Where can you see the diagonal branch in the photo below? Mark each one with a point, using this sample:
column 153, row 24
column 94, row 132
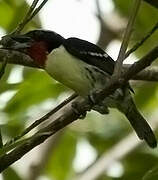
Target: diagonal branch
column 26, row 19
column 41, row 120
column 2, row 69
column 33, row 11
column 142, row 41
column 126, row 38
column 142, row 63
column 148, row 74
column 36, row 11
column 131, row 72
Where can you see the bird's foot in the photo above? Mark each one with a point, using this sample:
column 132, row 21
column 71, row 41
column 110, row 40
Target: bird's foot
column 101, row 108
column 76, row 110
column 92, row 98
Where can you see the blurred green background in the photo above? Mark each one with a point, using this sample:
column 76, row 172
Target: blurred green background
column 28, row 93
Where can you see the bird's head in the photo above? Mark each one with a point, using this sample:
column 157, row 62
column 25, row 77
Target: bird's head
column 37, row 44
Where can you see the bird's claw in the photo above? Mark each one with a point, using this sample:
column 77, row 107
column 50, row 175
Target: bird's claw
column 91, row 98
column 75, row 108
column 102, row 109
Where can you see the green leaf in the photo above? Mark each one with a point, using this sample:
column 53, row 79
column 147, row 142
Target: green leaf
column 144, row 96
column 11, row 174
column 36, row 88
column 137, row 163
column 60, row 163
column 12, row 13
column 151, row 174
column 5, row 20
column 146, row 19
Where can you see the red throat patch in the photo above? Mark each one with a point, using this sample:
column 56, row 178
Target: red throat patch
column 38, row 52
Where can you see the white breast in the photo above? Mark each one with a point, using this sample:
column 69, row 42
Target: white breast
column 68, row 70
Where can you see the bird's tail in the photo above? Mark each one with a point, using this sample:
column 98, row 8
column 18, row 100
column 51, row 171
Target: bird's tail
column 139, row 124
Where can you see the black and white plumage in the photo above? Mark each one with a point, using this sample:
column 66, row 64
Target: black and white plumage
column 90, row 53
column 83, row 67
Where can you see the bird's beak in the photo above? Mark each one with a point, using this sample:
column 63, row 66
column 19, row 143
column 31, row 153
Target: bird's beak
column 16, row 42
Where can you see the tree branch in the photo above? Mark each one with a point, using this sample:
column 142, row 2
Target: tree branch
column 142, row 63
column 59, row 123
column 105, row 30
column 2, row 69
column 41, row 120
column 148, row 74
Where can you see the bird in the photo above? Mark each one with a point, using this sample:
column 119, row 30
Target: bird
column 85, row 68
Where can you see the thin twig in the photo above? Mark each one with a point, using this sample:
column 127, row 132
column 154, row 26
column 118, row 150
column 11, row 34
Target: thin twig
column 141, row 42
column 2, row 70
column 148, row 74
column 36, row 11
column 42, row 119
column 142, row 64
column 1, row 140
column 31, row 13
column 4, row 63
column 26, row 18
column 105, row 30
column 127, row 35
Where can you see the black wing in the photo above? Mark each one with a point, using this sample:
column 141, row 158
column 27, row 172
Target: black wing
column 90, row 53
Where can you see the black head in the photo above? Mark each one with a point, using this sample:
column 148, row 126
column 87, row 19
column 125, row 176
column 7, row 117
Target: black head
column 37, row 44
column 51, row 38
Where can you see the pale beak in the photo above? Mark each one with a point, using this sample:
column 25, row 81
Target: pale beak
column 16, row 42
